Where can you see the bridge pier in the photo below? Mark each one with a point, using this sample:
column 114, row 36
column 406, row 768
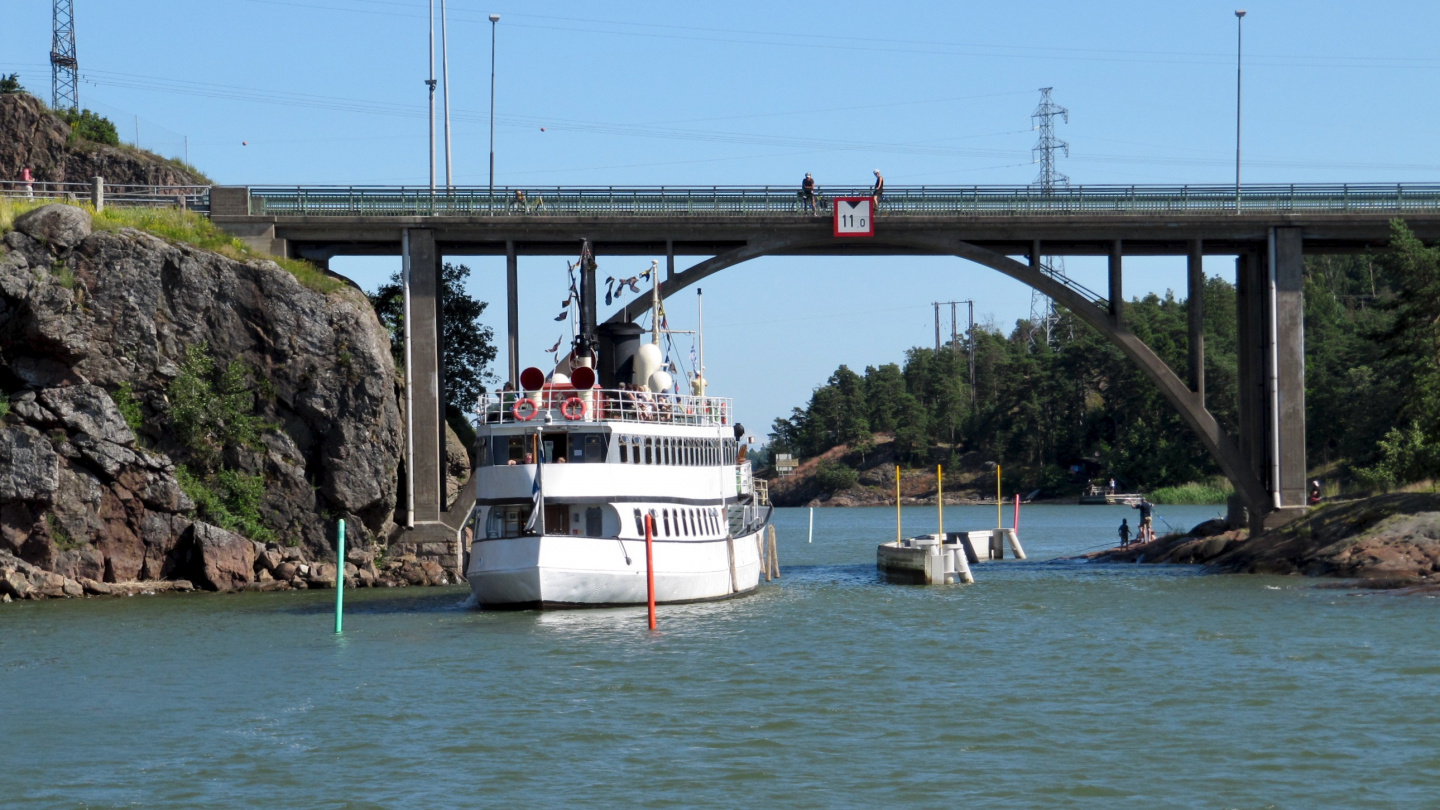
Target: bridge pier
column 1271, row 344
column 1195, row 311
column 1117, row 285
column 433, row 529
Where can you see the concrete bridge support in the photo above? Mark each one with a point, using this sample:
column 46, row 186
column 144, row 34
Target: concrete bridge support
column 1270, row 316
column 434, row 528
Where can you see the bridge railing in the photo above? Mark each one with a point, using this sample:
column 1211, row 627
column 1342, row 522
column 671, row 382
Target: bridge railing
column 898, row 201
column 195, row 198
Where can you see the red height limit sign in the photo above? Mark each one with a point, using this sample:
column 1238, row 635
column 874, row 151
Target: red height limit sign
column 854, row 216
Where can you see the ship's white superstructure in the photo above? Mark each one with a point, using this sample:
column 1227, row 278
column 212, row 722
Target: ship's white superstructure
column 561, row 503
column 567, row 473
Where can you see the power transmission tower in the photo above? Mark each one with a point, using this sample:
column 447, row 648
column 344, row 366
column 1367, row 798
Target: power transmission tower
column 1042, row 309
column 64, row 69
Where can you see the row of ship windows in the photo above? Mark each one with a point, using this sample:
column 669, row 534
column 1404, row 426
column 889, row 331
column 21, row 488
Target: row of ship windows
column 591, row 448
column 680, row 522
column 676, row 451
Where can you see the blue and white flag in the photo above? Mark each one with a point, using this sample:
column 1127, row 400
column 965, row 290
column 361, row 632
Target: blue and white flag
column 536, row 523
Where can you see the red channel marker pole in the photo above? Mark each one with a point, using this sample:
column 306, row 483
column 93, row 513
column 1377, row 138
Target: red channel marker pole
column 650, row 567
column 1017, row 514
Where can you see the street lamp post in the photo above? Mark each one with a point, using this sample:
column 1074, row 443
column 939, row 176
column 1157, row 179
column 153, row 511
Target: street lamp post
column 430, row 82
column 1239, row 17
column 490, row 200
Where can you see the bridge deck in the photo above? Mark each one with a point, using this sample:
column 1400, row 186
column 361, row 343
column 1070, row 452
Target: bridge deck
column 898, row 201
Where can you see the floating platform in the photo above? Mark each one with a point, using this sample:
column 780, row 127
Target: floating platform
column 1111, row 499
column 934, row 560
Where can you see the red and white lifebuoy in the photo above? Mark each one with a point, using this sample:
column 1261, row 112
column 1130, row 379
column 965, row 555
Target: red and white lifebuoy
column 573, row 408
column 524, row 409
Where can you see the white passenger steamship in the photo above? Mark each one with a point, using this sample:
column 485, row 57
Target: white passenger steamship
column 570, row 466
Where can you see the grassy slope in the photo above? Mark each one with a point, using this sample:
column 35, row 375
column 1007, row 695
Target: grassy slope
column 176, row 225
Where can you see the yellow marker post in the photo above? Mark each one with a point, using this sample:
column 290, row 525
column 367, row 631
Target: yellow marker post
column 940, row 497
column 897, row 504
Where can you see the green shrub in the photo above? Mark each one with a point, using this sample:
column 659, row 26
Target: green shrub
column 4, row 405
column 10, row 85
column 229, row 499
column 90, row 126
column 1195, row 492
column 62, row 539
column 214, row 408
column 832, row 476
column 128, row 406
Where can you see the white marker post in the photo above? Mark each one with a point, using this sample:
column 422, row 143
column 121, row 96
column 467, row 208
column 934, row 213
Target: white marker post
column 811, row 537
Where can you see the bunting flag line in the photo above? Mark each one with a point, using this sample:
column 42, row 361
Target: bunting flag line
column 563, row 315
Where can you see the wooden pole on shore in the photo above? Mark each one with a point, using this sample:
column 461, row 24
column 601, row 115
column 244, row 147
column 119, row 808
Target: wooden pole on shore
column 340, row 580
column 940, row 498
column 897, row 504
column 999, row 516
column 650, row 567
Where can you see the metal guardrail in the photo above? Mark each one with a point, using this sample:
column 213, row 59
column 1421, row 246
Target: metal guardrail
column 194, row 198
column 898, row 201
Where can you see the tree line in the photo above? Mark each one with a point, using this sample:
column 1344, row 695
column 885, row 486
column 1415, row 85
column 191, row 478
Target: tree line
column 1372, row 349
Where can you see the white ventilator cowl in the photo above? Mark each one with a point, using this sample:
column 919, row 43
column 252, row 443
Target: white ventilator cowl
column 648, row 360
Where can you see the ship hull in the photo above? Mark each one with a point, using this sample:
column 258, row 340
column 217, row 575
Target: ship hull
column 557, row 571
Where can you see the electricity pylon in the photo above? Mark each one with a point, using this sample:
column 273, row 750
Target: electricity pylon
column 64, row 68
column 1042, row 308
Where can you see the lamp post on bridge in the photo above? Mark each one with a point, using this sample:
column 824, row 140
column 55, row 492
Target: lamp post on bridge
column 1239, row 18
column 490, row 200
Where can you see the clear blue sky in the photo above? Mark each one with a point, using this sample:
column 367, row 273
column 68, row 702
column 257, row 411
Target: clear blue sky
column 330, row 91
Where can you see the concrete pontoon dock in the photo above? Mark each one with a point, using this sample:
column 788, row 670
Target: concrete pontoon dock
column 927, row 560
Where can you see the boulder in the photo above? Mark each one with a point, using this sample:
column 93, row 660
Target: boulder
column 57, row 225
column 226, row 561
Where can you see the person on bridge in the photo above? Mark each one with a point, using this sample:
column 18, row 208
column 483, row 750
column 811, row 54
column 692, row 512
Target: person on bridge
column 807, row 191
column 877, row 192
column 1147, row 527
column 1124, row 532
column 1315, row 497
column 29, row 180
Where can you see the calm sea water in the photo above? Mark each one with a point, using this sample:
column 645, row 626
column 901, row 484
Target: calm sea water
column 1047, row 684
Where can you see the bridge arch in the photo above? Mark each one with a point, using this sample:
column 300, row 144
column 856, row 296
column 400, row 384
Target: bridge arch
column 1187, row 403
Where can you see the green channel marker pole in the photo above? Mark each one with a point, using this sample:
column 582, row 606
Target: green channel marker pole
column 340, row 580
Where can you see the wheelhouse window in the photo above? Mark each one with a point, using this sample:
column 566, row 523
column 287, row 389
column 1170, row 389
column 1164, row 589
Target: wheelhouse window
column 508, row 449
column 507, row 520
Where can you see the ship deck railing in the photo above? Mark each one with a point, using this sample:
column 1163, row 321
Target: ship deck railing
column 553, row 405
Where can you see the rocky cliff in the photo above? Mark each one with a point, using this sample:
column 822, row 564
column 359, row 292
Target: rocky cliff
column 31, row 135
column 92, row 318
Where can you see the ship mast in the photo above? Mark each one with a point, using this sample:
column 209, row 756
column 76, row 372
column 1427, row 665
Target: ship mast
column 655, row 301
column 585, row 340
column 700, row 339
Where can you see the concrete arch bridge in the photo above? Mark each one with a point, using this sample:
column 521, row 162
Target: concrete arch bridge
column 1268, row 229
